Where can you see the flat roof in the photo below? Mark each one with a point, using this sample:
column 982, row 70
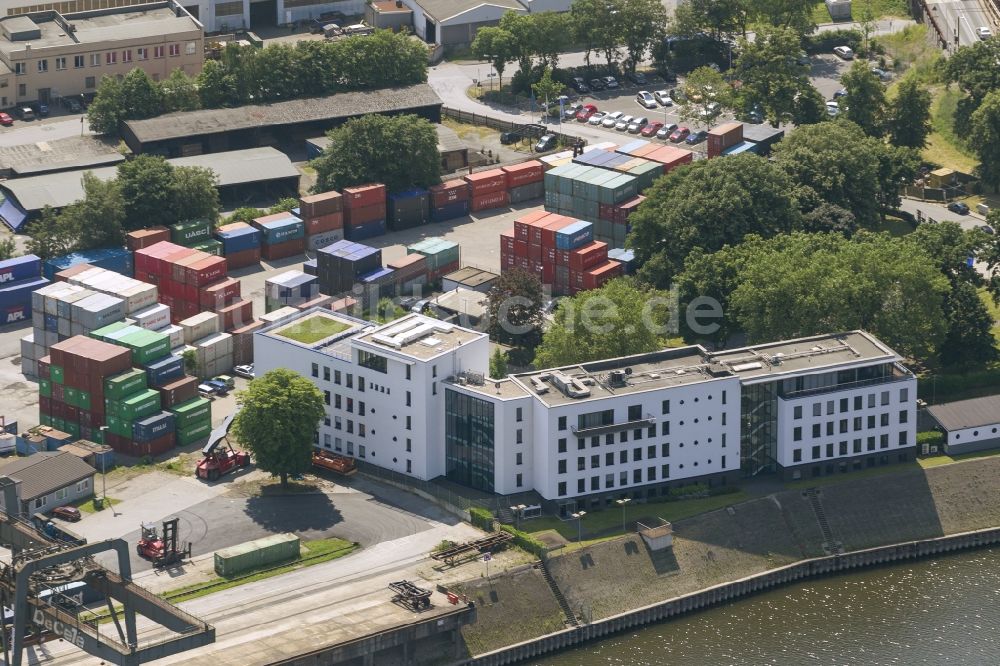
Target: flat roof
column 462, row 301
column 417, row 336
column 973, row 413
column 472, row 277
column 443, row 10
column 74, row 152
column 761, row 132
column 47, row 29
column 184, row 124
column 337, row 343
column 237, row 167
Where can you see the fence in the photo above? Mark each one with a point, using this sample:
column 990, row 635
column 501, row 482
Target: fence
column 500, row 125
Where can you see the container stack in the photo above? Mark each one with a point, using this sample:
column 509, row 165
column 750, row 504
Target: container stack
column 408, row 209
column 19, row 278
column 379, row 283
column 646, row 171
column 525, row 181
column 289, row 288
column 243, row 343
column 410, row 275
column 116, row 259
column 240, row 244
column 189, row 281
column 625, row 257
column 723, row 137
column 323, row 215
column 196, row 234
column 192, row 420
column 213, row 348
column 364, row 211
column 443, row 257
column 487, row 190
column 670, row 157
column 340, row 265
column 560, row 250
column 613, row 224
column 449, row 200
column 142, row 238
column 311, row 267
column 282, row 234
column 136, row 294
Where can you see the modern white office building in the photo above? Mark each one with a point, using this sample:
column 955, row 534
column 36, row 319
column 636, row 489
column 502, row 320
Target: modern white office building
column 412, row 396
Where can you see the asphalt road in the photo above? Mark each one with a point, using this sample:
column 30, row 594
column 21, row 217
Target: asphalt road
column 959, row 19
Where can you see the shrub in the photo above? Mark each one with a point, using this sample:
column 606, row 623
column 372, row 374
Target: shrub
column 931, row 438
column 525, row 541
column 481, row 518
column 823, row 42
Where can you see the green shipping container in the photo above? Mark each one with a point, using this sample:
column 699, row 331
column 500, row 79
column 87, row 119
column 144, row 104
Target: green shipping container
column 45, row 388
column 194, row 431
column 191, row 232
column 212, row 247
column 73, row 429
column 258, row 554
column 59, row 424
column 105, row 331
column 118, row 386
column 139, row 405
column 646, row 174
column 71, row 396
column 192, row 411
column 45, row 420
column 57, row 375
column 146, row 346
column 618, row 190
column 119, row 426
column 84, row 400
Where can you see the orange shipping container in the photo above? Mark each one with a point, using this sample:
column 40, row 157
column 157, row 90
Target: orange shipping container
column 486, row 182
column 523, row 174
column 324, row 223
column 143, row 238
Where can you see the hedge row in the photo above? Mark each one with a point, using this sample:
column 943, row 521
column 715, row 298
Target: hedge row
column 481, row 518
column 525, row 541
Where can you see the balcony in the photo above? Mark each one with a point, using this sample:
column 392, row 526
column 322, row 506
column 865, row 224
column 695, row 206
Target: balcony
column 645, row 422
column 899, row 373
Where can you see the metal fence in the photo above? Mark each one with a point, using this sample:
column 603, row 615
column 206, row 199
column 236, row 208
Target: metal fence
column 499, row 124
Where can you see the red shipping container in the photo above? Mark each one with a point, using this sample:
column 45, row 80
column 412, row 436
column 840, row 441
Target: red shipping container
column 606, row 212
column 626, row 208
column 219, row 294
column 597, row 276
column 242, row 258
column 520, row 248
column 670, row 157
column 206, row 271
column 189, row 293
column 409, row 266
column 588, row 256
column 178, row 391
column 63, row 276
column 523, row 174
column 154, row 447
column 485, row 182
column 448, row 192
column 365, row 214
column 507, row 240
column 283, row 250
column 554, row 224
column 323, row 223
column 179, row 262
column 58, row 392
column 317, row 205
column 44, row 365
column 119, row 444
column 548, row 273
column 534, row 252
column 644, row 150
column 361, row 196
column 523, row 224
column 237, row 315
column 524, row 263
column 149, row 259
column 143, row 238
column 44, row 404
column 72, row 413
column 498, row 199
column 549, row 255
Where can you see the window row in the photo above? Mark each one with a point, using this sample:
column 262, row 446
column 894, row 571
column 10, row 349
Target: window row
column 636, row 476
column 621, row 438
column 856, row 424
column 110, row 57
column 855, row 448
column 609, row 458
column 634, row 413
column 860, row 402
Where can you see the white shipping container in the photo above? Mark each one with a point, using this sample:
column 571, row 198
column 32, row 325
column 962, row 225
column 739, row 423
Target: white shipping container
column 65, row 328
column 316, row 241
column 29, row 367
column 200, row 326
column 37, row 319
column 40, row 352
column 278, row 315
column 176, row 334
column 76, row 328
column 64, row 307
column 39, row 296
column 139, row 297
column 98, row 310
column 221, row 342
column 28, row 347
column 153, row 317
column 49, row 338
column 52, row 298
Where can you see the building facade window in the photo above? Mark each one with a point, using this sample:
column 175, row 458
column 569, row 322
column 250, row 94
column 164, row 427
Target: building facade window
column 20, row 68
column 157, row 51
column 469, row 440
column 127, row 55
column 142, row 53
column 78, row 61
column 111, row 58
column 95, row 59
column 373, row 362
column 175, row 50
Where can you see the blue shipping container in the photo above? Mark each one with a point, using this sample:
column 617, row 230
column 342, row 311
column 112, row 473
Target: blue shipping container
column 51, row 322
column 366, row 231
column 310, row 267
column 117, row 259
column 377, row 276
column 13, row 314
column 19, row 293
column 574, row 235
column 282, row 231
column 153, row 426
column 239, row 240
column 19, row 268
column 628, row 148
column 450, row 211
column 165, row 370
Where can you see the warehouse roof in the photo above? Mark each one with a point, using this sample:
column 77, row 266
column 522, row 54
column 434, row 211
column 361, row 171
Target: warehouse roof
column 74, row 152
column 46, row 472
column 974, row 413
column 448, row 140
column 442, row 10
column 185, row 124
column 236, row 167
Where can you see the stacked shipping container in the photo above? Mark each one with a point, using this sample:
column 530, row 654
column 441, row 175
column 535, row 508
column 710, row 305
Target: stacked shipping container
column 442, row 257
column 410, row 275
column 408, row 209
column 449, row 200
column 364, row 211
column 282, row 235
column 525, row 181
column 240, row 244
column 19, row 278
column 487, row 190
column 116, row 259
column 196, row 234
column 289, row 288
column 189, row 281
column 137, row 240
column 339, row 266
column 323, row 215
column 723, row 137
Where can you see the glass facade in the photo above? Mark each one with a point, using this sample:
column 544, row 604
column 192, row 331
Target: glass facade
column 468, row 433
column 759, row 428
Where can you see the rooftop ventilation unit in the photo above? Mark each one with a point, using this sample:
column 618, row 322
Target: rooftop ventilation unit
column 410, row 331
column 570, row 386
column 744, row 367
column 616, row 378
column 539, row 386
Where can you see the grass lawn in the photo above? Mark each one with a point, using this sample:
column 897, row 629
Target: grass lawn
column 880, row 9
column 943, row 146
column 87, row 506
column 937, row 461
column 895, row 226
column 312, row 330
column 994, row 311
column 601, row 525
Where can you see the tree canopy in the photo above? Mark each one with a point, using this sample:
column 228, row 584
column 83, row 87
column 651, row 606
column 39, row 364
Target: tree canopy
column 514, row 307
column 277, row 421
column 984, row 137
column 771, row 75
column 908, row 114
column 620, row 318
column 157, row 193
column 864, row 104
column 368, row 149
column 709, row 204
column 706, row 95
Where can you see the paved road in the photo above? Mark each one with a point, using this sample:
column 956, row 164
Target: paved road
column 48, row 129
column 941, row 213
column 961, row 18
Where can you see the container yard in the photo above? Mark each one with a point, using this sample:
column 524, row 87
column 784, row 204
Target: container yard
column 118, row 260
column 364, row 211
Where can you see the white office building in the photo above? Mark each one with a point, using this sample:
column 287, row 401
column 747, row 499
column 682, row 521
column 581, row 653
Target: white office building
column 411, row 396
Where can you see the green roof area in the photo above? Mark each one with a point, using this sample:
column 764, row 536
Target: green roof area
column 312, row 329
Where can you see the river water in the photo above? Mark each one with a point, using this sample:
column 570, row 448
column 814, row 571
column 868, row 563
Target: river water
column 941, row 611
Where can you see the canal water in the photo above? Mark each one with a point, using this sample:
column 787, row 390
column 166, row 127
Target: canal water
column 941, row 611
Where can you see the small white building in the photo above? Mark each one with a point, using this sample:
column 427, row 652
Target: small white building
column 969, row 425
column 455, row 22
column 46, row 480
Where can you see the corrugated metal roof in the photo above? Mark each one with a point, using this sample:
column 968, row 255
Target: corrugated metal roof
column 977, row 412
column 442, row 10
column 185, row 124
column 44, row 473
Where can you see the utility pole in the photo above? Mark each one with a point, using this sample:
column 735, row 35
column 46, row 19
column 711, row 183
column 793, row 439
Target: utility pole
column 622, row 503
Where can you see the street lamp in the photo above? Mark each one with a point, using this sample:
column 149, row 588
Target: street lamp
column 518, row 512
column 579, row 524
column 622, row 502
column 104, row 472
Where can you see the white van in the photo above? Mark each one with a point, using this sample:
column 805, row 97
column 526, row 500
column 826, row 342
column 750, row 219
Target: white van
column 843, row 52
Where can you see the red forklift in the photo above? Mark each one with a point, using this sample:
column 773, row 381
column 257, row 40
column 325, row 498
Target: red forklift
column 219, row 456
column 162, row 552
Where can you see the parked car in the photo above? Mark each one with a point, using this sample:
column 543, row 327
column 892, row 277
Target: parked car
column 638, row 78
column 6, row 120
column 507, row 138
column 41, row 109
column 73, row 104
column 419, row 306
column 226, row 380
column 637, row 124
column 696, row 137
column 646, row 99
column 832, row 109
column 664, row 132
column 570, row 110
column 579, row 85
column 623, row 123
column 612, row 119
column 985, row 228
column 219, row 388
column 70, row 513
column 678, row 95
column 663, row 97
column 679, row 134
column 585, row 112
column 206, row 390
column 597, row 118
column 983, row 32
column 958, row 207
column 881, row 74
column 652, row 128
column 843, row 52
column 597, row 84
column 547, row 142
column 840, row 93
column 244, row 371
column 25, row 113
column 610, row 82
column 710, row 109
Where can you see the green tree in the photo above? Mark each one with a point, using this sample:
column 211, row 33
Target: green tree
column 770, row 73
column 514, row 308
column 951, row 246
column 709, row 278
column 98, row 217
column 908, row 114
column 810, row 107
column 642, row 24
column 496, row 46
column 521, row 28
column 984, row 137
column 107, row 107
column 282, row 206
column 146, row 186
column 718, row 18
column 969, row 341
column 386, row 311
column 194, row 194
column 594, row 26
column 367, row 150
column 498, row 364
column 142, row 96
column 896, row 165
column 245, row 214
column 793, row 14
column 829, row 218
column 547, row 88
column 552, row 33
column 8, row 248
column 709, row 204
column 620, row 318
column 864, row 103
column 180, row 92
column 277, row 420
column 49, row 236
column 707, row 95
column 190, row 357
column 974, row 69
column 217, row 85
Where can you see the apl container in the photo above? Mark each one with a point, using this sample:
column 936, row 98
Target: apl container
column 19, row 268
